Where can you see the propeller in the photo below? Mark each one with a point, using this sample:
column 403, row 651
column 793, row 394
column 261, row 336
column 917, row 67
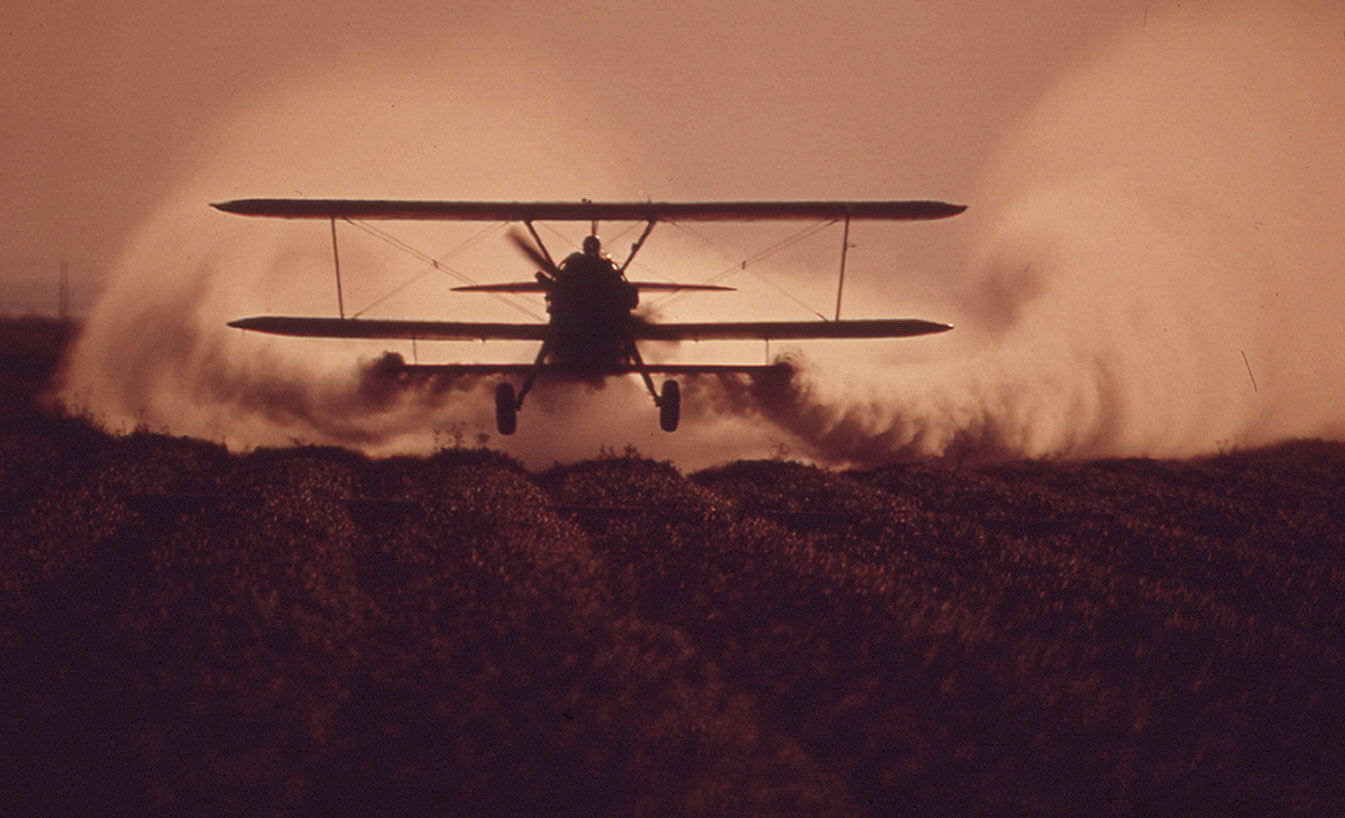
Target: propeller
column 532, row 252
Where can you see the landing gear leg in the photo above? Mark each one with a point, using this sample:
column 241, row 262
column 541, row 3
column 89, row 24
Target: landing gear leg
column 644, row 373
column 507, row 404
column 532, row 375
column 669, row 403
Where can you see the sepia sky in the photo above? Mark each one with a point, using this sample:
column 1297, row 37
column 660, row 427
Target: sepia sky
column 107, row 104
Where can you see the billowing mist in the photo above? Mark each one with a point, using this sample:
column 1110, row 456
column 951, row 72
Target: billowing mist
column 1156, row 273
column 1150, row 265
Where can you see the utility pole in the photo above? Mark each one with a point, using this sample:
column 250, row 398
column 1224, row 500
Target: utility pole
column 63, row 306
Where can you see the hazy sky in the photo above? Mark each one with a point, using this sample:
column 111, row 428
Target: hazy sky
column 108, row 103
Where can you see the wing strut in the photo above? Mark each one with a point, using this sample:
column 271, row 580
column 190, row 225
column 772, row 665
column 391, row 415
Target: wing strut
column 336, row 258
column 845, row 247
column 635, row 248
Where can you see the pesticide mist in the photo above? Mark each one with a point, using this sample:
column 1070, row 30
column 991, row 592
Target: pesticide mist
column 1159, row 272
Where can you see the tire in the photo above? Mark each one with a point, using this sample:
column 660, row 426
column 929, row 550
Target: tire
column 506, row 408
column 669, row 406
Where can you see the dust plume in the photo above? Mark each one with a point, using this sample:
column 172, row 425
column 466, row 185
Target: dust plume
column 1158, row 269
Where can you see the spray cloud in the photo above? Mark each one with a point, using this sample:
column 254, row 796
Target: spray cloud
column 1158, row 271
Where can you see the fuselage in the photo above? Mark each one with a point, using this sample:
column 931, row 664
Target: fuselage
column 590, row 305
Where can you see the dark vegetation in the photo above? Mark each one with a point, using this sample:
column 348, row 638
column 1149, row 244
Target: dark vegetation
column 311, row 631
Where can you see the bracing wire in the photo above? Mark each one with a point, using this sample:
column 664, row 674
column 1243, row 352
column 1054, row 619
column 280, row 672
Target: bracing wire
column 742, row 265
column 440, row 265
column 435, row 264
column 550, row 228
column 607, row 242
column 390, row 293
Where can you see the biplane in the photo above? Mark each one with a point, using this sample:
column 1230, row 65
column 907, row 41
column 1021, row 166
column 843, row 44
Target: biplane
column 593, row 329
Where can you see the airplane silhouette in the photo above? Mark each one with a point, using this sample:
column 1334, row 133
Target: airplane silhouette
column 592, row 331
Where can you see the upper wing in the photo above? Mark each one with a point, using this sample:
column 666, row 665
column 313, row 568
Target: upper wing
column 621, row 369
column 790, row 330
column 321, row 327
column 316, row 327
column 588, row 211
column 538, row 287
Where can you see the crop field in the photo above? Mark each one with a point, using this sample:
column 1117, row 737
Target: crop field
column 308, row 630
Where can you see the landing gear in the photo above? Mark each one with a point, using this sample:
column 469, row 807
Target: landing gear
column 506, row 408
column 507, row 403
column 669, row 406
column 669, row 403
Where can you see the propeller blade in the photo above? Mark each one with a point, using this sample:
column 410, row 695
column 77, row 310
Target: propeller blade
column 530, row 250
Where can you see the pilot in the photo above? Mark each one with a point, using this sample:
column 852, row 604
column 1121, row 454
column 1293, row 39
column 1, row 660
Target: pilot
column 594, row 272
column 591, row 263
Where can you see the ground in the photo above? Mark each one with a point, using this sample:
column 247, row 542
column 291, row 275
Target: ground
column 309, row 630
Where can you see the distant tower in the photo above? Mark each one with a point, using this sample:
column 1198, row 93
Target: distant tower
column 63, row 308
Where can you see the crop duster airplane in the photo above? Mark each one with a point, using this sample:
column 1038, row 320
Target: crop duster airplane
column 592, row 331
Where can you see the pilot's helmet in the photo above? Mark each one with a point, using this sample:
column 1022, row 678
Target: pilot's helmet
column 592, row 246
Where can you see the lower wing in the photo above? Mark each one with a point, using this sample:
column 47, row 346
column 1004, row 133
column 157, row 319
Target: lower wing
column 623, row 369
column 790, row 330
column 539, row 287
column 319, row 327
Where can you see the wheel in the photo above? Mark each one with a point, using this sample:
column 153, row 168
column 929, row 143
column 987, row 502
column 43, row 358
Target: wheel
column 669, row 406
column 506, row 408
